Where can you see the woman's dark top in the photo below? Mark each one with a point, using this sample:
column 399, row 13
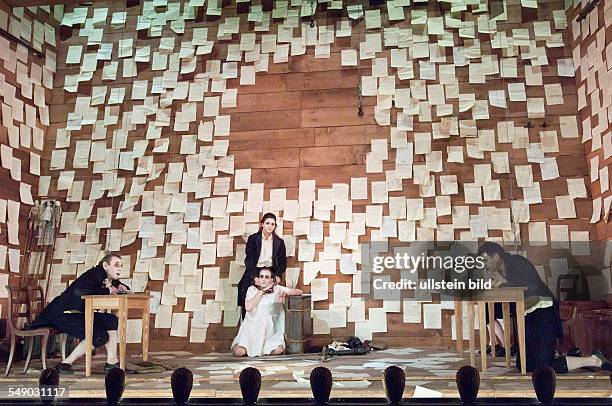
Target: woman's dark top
column 253, row 249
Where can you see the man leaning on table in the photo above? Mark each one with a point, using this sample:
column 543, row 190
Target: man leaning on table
column 66, row 312
column 542, row 320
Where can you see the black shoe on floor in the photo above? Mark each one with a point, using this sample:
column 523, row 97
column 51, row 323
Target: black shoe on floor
column 488, row 350
column 500, row 351
column 606, row 365
column 64, row 369
column 108, row 367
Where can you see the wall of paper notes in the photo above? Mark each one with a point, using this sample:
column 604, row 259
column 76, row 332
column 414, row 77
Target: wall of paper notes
column 170, row 136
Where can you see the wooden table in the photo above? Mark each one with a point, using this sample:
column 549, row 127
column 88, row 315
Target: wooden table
column 505, row 296
column 122, row 303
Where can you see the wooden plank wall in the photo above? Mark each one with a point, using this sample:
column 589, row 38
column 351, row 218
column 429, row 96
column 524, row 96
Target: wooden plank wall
column 300, row 122
column 10, row 187
column 592, row 53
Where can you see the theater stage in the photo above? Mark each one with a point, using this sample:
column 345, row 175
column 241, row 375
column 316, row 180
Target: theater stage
column 429, row 373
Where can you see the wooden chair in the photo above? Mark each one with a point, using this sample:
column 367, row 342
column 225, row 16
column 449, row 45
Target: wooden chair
column 18, row 301
column 37, row 304
column 564, row 289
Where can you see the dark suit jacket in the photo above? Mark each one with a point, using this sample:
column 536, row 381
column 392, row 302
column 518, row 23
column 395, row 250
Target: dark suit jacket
column 253, row 249
column 521, row 272
column 90, row 282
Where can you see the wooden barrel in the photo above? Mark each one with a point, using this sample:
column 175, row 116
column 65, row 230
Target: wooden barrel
column 298, row 326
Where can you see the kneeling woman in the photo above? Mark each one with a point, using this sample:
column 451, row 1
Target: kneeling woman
column 262, row 331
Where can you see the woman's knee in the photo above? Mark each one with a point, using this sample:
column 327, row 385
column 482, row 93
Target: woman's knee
column 239, row 351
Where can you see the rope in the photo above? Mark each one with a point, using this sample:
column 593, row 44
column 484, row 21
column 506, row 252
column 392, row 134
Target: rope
column 296, row 341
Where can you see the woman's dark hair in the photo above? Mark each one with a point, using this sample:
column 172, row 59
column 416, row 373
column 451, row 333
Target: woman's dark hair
column 48, row 377
column 107, row 258
column 491, row 248
column 544, row 381
column 181, row 383
column 394, row 382
column 468, row 384
column 250, row 384
column 115, row 385
column 268, row 216
column 321, row 384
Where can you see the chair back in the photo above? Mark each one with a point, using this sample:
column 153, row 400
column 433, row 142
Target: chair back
column 18, row 307
column 36, row 303
column 564, row 288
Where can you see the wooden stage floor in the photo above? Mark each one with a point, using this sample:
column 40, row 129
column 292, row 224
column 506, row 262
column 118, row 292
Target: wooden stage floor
column 429, row 373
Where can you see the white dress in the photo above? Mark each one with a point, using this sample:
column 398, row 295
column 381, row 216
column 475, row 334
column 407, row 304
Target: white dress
column 263, row 328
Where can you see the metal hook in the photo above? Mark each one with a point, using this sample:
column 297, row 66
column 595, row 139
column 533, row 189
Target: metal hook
column 360, row 102
column 312, row 18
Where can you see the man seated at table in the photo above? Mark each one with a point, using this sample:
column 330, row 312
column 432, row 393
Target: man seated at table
column 66, row 312
column 542, row 320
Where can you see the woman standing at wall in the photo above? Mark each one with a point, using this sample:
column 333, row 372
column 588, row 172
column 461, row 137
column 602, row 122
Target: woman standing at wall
column 264, row 249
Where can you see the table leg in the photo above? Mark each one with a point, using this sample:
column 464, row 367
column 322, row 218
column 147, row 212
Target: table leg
column 145, row 332
column 483, row 334
column 459, row 325
column 122, row 332
column 89, row 316
column 520, row 322
column 507, row 328
column 471, row 332
column 493, row 338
